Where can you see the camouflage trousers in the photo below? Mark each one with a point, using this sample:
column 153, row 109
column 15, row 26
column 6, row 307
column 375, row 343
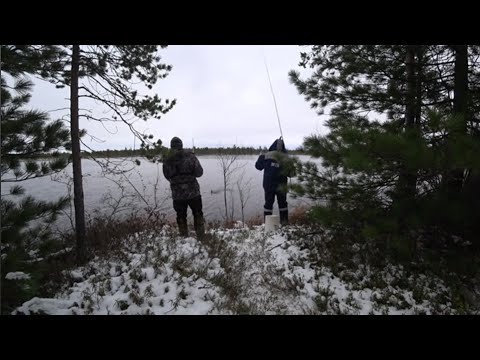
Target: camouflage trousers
column 181, row 207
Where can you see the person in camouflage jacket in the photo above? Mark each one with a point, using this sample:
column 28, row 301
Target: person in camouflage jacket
column 181, row 168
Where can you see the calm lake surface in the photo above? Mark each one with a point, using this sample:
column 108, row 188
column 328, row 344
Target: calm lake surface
column 145, row 184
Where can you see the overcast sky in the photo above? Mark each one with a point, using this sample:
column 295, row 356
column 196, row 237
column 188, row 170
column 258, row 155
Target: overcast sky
column 223, row 98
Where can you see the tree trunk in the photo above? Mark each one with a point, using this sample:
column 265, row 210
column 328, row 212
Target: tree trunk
column 76, row 158
column 408, row 178
column 461, row 83
column 225, row 194
column 411, row 88
column 418, row 84
column 460, row 104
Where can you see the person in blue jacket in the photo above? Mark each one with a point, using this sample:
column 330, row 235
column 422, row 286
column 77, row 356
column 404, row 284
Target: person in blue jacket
column 275, row 178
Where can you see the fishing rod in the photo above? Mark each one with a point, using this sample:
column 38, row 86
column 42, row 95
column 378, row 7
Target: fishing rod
column 274, row 101
column 273, row 94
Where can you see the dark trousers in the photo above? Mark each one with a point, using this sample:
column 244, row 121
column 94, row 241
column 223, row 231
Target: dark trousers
column 282, row 204
column 181, row 207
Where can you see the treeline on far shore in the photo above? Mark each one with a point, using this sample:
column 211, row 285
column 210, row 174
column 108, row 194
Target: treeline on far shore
column 198, row 151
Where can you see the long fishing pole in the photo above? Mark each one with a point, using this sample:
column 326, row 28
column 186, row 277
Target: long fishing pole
column 274, row 100
column 273, row 94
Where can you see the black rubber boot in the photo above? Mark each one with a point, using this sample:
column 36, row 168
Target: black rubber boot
column 199, row 224
column 182, row 227
column 284, row 217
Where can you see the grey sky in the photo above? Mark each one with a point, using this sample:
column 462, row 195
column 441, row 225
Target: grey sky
column 223, row 98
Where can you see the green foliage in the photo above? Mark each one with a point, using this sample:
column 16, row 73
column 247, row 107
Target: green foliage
column 380, row 177
column 109, row 69
column 112, row 70
column 26, row 134
column 44, row 60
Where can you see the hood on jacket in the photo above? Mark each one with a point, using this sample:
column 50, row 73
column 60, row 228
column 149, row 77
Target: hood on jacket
column 176, row 143
column 278, row 145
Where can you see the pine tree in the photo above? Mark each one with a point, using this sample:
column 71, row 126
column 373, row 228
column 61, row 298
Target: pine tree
column 391, row 111
column 25, row 134
column 40, row 60
column 106, row 74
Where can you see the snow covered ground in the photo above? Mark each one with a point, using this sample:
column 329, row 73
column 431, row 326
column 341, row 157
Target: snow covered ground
column 240, row 271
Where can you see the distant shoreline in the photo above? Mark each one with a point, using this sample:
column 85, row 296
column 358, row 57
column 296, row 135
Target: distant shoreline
column 141, row 153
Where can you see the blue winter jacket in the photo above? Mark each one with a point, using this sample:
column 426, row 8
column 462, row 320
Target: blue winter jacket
column 273, row 174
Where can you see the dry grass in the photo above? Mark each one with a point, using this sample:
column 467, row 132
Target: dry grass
column 299, row 215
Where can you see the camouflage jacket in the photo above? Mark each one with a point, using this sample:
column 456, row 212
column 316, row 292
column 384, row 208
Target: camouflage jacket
column 181, row 169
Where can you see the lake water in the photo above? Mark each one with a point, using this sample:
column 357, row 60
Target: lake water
column 145, row 184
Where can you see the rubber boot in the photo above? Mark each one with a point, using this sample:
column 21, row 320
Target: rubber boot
column 284, row 217
column 199, row 224
column 182, row 227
